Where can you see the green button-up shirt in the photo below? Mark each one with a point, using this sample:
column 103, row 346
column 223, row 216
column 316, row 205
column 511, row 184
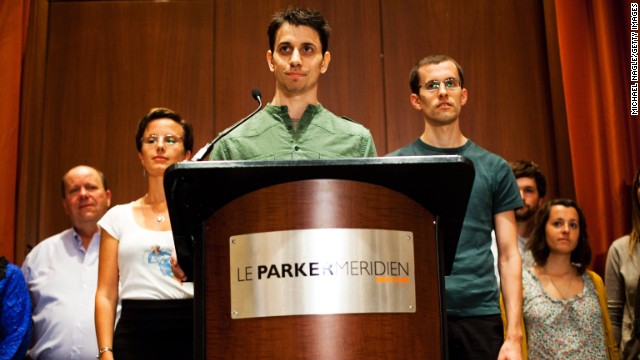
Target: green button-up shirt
column 271, row 135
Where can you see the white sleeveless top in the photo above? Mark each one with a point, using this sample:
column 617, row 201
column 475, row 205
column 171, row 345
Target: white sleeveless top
column 143, row 258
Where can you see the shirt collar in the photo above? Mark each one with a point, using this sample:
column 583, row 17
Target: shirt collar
column 282, row 112
column 447, row 151
column 78, row 240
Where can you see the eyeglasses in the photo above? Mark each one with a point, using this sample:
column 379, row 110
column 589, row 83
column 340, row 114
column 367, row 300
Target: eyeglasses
column 449, row 84
column 153, row 139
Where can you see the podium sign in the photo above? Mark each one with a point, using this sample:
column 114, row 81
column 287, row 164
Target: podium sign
column 322, row 271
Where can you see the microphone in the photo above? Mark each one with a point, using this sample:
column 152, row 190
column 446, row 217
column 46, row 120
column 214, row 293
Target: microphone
column 257, row 95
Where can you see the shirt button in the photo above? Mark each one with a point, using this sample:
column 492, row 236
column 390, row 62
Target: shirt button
column 296, row 148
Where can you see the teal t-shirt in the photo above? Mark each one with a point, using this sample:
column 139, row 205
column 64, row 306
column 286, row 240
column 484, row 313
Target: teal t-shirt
column 271, row 135
column 471, row 289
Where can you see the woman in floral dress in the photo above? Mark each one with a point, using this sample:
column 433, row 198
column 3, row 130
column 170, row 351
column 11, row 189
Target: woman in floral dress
column 564, row 304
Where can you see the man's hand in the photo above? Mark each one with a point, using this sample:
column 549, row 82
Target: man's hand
column 510, row 350
column 178, row 273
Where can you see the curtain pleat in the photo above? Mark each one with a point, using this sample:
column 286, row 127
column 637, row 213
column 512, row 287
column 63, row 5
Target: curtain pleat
column 594, row 55
column 13, row 26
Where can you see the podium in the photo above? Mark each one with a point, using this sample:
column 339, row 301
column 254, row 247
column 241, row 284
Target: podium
column 319, row 259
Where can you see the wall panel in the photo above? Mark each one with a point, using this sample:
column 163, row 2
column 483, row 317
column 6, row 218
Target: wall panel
column 31, row 134
column 107, row 64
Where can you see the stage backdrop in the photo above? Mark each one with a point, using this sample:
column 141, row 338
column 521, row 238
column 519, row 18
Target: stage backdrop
column 93, row 68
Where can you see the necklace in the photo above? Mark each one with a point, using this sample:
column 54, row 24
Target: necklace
column 553, row 283
column 564, row 297
column 159, row 216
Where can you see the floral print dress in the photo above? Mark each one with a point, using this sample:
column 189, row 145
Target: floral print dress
column 562, row 329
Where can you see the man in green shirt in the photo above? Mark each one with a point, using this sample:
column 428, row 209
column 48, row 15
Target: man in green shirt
column 295, row 125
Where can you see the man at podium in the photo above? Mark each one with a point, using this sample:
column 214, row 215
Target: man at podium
column 474, row 324
column 295, row 125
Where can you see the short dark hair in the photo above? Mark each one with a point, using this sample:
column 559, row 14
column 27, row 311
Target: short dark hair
column 164, row 113
column 300, row 17
column 538, row 241
column 526, row 168
column 100, row 174
column 414, row 76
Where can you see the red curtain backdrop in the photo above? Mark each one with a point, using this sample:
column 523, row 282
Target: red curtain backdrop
column 594, row 39
column 13, row 30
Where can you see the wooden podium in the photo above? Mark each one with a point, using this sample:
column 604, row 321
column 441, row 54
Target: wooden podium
column 213, row 202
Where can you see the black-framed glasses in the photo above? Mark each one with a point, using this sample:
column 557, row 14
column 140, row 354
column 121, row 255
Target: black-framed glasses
column 153, row 139
column 449, row 84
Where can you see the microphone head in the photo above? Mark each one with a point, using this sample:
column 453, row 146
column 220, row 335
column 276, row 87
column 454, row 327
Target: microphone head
column 256, row 93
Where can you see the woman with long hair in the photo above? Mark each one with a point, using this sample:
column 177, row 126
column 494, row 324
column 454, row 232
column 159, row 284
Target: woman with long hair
column 156, row 320
column 621, row 279
column 564, row 304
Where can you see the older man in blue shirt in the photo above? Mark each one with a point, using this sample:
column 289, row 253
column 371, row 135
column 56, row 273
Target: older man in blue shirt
column 62, row 272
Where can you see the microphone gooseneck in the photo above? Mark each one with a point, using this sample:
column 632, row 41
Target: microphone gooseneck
column 204, row 151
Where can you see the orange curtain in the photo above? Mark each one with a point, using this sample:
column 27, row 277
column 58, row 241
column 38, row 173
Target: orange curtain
column 13, row 31
column 594, row 39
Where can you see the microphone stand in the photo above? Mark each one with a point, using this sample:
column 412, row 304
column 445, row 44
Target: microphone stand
column 204, row 151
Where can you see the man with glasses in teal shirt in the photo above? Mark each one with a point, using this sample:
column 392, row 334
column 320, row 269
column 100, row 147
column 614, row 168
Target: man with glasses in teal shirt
column 295, row 125
column 474, row 324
